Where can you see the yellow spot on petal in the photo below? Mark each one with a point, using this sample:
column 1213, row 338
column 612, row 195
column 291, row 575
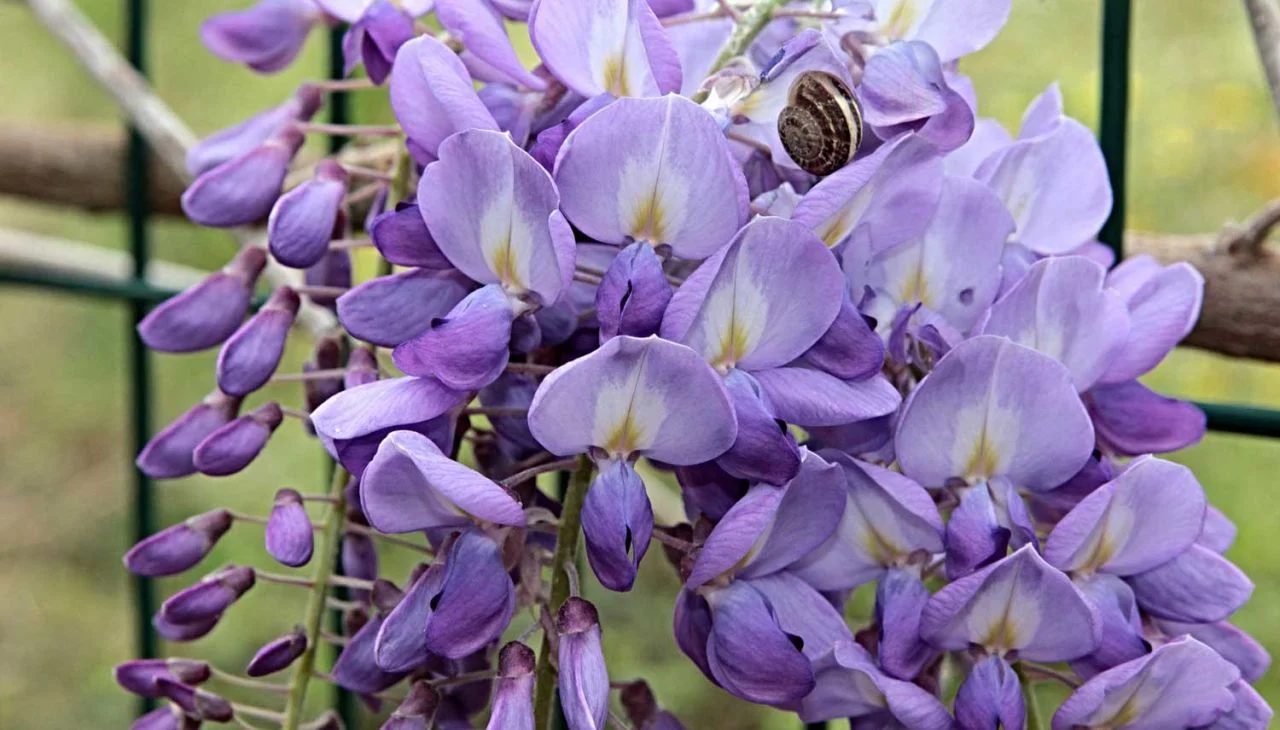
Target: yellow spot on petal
column 900, row 20
column 615, row 76
column 983, row 462
column 649, row 222
column 625, row 438
column 915, row 288
column 502, row 261
column 735, row 343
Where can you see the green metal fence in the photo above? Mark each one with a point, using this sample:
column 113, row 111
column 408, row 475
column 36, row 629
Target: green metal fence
column 139, row 295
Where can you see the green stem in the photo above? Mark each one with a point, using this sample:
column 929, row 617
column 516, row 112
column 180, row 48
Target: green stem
column 1032, row 701
column 325, row 554
column 753, row 21
column 565, row 554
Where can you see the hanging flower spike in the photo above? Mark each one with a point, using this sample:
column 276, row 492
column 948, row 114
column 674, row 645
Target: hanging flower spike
column 631, row 170
column 207, row 313
column 598, row 47
column 433, row 97
column 266, row 37
column 412, row 486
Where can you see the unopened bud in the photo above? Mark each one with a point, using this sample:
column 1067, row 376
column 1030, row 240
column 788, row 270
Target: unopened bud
column 179, row 547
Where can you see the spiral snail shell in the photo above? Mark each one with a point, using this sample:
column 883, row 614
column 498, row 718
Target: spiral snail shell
column 821, row 125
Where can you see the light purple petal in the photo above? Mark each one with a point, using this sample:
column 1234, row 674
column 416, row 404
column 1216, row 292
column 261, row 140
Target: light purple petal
column 1143, row 518
column 1131, row 419
column 301, row 222
column 391, row 309
column 764, row 449
column 1230, row 642
column 1219, row 532
column 633, row 170
column 952, row 30
column 1251, row 711
column 801, row 612
column 208, row 312
column 645, row 396
column 476, row 598
column 1198, row 586
column 401, row 640
column 605, row 46
column 850, row 349
column 1122, row 633
column 236, row 140
column 994, row 408
column 480, row 28
column 749, row 654
column 432, row 95
column 810, row 509
column 1043, row 113
column 266, row 37
column 1020, row 603
column 988, row 137
column 1163, row 311
column 900, row 599
column 808, row 397
column 487, row 205
column 384, row 404
column 991, row 696
column 242, row 190
column 617, row 522
column 402, row 238
column 775, row 293
column 466, row 349
column 904, row 89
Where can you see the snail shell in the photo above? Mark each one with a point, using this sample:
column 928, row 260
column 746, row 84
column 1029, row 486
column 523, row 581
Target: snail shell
column 821, row 125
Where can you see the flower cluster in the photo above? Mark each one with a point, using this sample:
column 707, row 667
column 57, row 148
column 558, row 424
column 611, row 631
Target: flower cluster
column 770, row 253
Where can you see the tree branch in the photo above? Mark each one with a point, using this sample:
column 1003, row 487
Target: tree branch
column 1264, row 19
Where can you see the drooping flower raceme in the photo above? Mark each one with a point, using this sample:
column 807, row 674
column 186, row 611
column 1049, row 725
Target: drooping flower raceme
column 918, row 374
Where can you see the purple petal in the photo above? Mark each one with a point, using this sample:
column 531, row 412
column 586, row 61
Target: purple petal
column 692, row 625
column 584, row 679
column 1198, row 586
column 489, row 207
column 991, row 696
column 1060, row 308
column 249, row 358
column 731, row 542
column 605, row 46
column 432, row 94
column 278, row 654
column 617, row 522
column 749, row 654
column 401, row 640
column 1181, row 684
column 900, row 599
column 994, row 408
column 1122, row 634
column 513, row 692
column 266, row 37
column 389, row 310
column 630, row 171
column 183, row 632
column 234, row 446
column 1020, row 603
column 1218, row 533
column 1055, row 186
column 764, row 449
column 242, row 190
column 384, row 404
column 808, row 397
column 850, row 349
column 632, row 395
column 479, row 27
column 236, row 140
column 1251, row 712
column 801, row 612
column 356, row 669
column 401, row 236
column 1043, row 113
column 410, row 486
column 903, row 89
column 476, row 598
column 301, row 222
column 953, row 31
column 849, row 685
column 975, row 534
column 1163, row 311
column 1145, row 517
column 208, row 312
column 208, row 598
column 633, row 294
column 988, row 137
column 1132, row 419
column 139, row 676
column 177, row 548
column 171, row 453
column 467, row 348
column 289, row 535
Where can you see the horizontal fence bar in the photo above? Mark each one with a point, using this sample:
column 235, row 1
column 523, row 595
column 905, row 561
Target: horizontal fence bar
column 1240, row 419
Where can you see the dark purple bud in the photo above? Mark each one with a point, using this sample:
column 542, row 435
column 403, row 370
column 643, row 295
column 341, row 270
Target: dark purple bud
column 333, row 269
column 234, row 141
column 584, row 679
column 168, row 717
column 171, row 453
column 362, row 368
column 991, row 696
column 302, row 220
column 250, row 356
column 633, row 294
column 183, row 632
column 468, row 348
column 417, row 711
column 416, row 297
column 278, row 654
column 359, row 560
column 764, row 450
column 375, row 38
column 139, row 675
column 242, row 190
column 326, row 356
column 207, row 313
column 232, row 447
column 177, row 548
column 199, row 703
column 617, row 521
column 401, row 236
column 289, row 536
column 850, row 349
column 513, row 694
column 210, row 597
column 266, row 37
column 643, row 710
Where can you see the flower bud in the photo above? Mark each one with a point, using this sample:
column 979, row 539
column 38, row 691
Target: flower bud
column 199, row 703
column 289, row 536
column 242, row 190
column 232, row 447
column 513, row 696
column 332, row 270
column 326, row 356
column 179, row 547
column 208, row 312
column 643, row 710
column 359, row 560
column 265, row 37
column 417, row 711
column 174, row 631
column 139, row 676
column 633, row 294
column 210, row 597
column 401, row 236
column 251, row 355
column 171, row 453
column 362, row 368
column 169, row 717
column 236, row 140
column 302, row 220
column 278, row 653
column 584, row 679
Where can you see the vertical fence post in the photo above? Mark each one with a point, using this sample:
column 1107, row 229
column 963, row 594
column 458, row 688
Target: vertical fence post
column 1114, row 123
column 139, row 207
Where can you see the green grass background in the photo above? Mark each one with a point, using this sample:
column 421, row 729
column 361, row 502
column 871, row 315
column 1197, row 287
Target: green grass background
column 1204, row 150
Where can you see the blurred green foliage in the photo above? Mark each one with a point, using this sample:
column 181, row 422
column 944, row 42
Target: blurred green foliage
column 1203, row 150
